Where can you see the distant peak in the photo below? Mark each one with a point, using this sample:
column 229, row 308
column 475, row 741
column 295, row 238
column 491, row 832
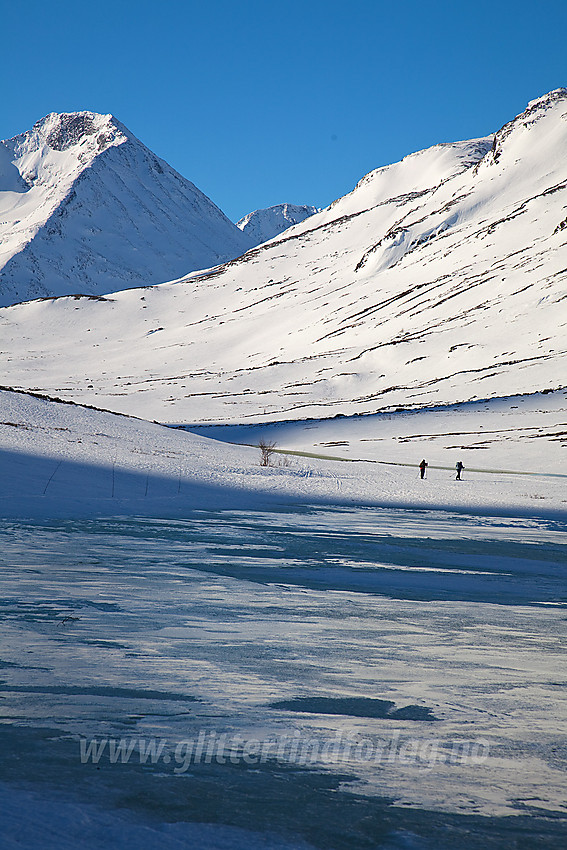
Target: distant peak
column 64, row 130
column 262, row 225
column 290, row 213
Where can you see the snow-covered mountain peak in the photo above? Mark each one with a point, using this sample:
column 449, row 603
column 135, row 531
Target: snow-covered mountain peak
column 516, row 136
column 62, row 131
column 425, row 169
column 60, row 145
column 546, row 100
column 437, row 162
column 262, row 225
column 86, row 207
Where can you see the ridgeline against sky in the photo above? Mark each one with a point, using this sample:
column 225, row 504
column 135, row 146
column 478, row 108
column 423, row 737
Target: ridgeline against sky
column 260, row 104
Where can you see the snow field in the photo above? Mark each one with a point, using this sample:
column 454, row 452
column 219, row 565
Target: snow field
column 61, row 459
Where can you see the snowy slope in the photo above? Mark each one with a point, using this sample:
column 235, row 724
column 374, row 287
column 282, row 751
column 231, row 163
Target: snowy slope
column 66, row 460
column 86, row 207
column 262, row 225
column 439, row 279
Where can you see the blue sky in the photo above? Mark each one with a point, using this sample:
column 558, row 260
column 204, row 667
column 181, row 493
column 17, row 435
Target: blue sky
column 258, row 102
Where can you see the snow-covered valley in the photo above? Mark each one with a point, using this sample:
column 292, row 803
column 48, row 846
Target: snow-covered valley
column 332, row 652
column 439, row 279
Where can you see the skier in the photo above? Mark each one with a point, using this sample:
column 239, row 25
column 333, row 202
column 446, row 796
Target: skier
column 422, row 468
column 459, row 467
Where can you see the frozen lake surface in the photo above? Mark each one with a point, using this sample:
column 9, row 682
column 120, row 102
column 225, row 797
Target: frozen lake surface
column 311, row 677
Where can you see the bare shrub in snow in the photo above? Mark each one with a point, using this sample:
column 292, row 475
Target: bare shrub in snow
column 267, row 450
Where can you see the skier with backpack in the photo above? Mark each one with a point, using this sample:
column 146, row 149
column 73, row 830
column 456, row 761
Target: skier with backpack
column 459, row 467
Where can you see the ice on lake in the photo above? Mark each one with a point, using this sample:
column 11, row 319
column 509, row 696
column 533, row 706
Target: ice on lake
column 324, row 677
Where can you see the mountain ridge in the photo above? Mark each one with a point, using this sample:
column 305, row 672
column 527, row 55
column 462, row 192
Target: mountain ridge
column 438, row 280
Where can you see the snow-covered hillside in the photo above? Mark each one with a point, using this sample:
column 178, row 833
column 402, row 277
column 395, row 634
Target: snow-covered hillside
column 85, row 207
column 262, row 225
column 67, row 460
column 439, row 279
